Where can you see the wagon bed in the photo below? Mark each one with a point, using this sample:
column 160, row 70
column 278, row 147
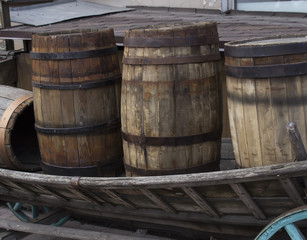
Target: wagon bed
column 236, row 201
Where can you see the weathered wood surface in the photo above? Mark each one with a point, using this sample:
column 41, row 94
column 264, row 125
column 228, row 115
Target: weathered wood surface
column 80, row 96
column 65, row 232
column 171, row 92
column 18, row 141
column 296, row 140
column 24, row 70
column 112, row 197
column 8, row 73
column 236, row 202
column 263, row 97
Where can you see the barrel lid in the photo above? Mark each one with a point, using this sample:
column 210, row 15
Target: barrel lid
column 264, row 47
column 178, row 34
column 172, row 26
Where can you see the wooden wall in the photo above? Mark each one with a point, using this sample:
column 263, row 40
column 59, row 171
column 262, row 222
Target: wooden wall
column 8, row 73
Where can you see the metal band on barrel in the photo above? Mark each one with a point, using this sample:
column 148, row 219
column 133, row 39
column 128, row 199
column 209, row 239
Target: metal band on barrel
column 172, row 141
column 212, row 166
column 153, row 42
column 88, row 171
column 73, row 55
column 77, row 85
column 111, row 126
column 267, row 71
column 171, row 60
column 265, row 50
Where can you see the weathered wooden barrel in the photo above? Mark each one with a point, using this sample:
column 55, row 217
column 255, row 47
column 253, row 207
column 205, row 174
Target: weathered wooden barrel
column 18, row 141
column 76, row 86
column 171, row 100
column 267, row 88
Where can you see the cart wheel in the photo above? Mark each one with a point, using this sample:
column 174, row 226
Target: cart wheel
column 16, row 208
column 285, row 221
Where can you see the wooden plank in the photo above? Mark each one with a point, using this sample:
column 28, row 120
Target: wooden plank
column 4, row 186
column 158, row 201
column 64, row 231
column 200, row 201
column 266, row 122
column 118, row 198
column 48, row 218
column 296, row 141
column 87, row 198
column 247, row 200
column 52, row 192
column 21, row 187
column 24, row 70
column 6, row 22
column 292, row 191
column 297, row 144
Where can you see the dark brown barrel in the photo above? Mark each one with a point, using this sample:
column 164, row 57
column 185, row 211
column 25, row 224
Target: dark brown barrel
column 18, row 141
column 76, row 85
column 171, row 100
column 267, row 88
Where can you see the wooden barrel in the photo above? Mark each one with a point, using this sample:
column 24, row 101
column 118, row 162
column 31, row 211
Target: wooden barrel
column 76, row 86
column 18, row 141
column 267, row 88
column 171, row 99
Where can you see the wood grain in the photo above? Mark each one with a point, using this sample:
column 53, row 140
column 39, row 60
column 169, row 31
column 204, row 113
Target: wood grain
column 260, row 107
column 70, row 108
column 171, row 100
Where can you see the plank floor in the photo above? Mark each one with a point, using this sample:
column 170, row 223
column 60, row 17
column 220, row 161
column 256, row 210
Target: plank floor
column 6, row 214
column 231, row 27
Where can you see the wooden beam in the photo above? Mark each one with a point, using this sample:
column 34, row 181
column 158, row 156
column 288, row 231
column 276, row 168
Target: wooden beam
column 64, row 232
column 20, row 187
column 296, row 141
column 87, row 198
column 6, row 22
column 297, row 144
column 119, row 199
column 49, row 218
column 292, row 191
column 158, row 201
column 201, row 201
column 52, row 192
column 247, row 200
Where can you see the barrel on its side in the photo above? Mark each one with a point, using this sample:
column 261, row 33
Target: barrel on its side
column 18, row 141
column 171, row 99
column 267, row 88
column 76, row 85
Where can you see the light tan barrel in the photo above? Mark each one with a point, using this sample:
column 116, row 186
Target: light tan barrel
column 171, row 99
column 267, row 88
column 76, row 85
column 18, row 141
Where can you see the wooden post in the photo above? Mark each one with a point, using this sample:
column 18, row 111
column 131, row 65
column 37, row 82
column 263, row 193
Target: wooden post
column 6, row 22
column 297, row 144
column 296, row 141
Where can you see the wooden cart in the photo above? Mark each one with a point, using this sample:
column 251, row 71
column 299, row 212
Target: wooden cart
column 235, row 202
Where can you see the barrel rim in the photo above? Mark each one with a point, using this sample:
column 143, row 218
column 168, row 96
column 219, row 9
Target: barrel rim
column 7, row 154
column 206, row 167
column 235, row 49
column 86, row 171
column 157, row 42
column 72, row 32
column 170, row 26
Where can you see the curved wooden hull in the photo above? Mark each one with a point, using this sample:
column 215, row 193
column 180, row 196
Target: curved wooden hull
column 236, row 202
